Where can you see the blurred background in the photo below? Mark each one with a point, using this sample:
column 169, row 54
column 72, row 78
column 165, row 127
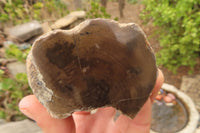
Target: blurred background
column 172, row 28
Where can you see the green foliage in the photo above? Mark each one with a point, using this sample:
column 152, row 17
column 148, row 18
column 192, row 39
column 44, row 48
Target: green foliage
column 97, row 11
column 178, row 22
column 116, row 18
column 14, row 52
column 11, row 92
column 20, row 11
column 55, row 7
column 132, row 1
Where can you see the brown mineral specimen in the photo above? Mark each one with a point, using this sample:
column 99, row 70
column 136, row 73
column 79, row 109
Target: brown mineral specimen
column 99, row 63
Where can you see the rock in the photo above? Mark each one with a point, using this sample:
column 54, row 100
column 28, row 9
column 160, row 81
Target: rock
column 96, row 64
column 16, row 67
column 64, row 22
column 46, row 28
column 78, row 14
column 25, row 126
column 25, row 31
column 30, row 41
column 67, row 20
column 191, row 86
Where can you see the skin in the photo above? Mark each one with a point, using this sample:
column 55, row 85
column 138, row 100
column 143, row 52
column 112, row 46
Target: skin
column 83, row 122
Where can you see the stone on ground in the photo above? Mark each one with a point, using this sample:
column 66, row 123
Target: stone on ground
column 16, row 67
column 25, row 31
column 79, row 14
column 46, row 28
column 67, row 20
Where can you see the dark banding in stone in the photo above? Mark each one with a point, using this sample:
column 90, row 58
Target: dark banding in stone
column 100, row 63
column 61, row 54
column 96, row 94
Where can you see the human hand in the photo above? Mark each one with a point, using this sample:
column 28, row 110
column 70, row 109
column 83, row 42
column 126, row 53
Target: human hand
column 84, row 122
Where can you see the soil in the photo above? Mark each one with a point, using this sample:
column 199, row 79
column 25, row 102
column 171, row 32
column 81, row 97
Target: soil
column 131, row 14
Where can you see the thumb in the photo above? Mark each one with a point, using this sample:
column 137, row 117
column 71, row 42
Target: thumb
column 31, row 107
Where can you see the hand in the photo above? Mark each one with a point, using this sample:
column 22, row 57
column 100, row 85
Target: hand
column 84, row 122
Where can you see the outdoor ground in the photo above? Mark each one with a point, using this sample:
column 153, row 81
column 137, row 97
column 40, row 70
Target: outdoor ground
column 131, row 14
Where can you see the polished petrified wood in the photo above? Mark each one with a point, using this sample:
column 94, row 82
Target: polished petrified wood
column 99, row 63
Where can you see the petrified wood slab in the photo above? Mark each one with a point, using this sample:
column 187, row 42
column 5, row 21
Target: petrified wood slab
column 98, row 63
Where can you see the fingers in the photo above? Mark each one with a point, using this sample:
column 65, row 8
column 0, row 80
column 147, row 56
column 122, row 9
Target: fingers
column 84, row 122
column 99, row 122
column 31, row 107
column 141, row 123
column 158, row 85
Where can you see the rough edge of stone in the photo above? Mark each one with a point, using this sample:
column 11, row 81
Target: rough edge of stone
column 193, row 113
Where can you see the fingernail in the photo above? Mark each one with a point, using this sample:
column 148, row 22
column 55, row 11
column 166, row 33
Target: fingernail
column 24, row 107
column 24, row 104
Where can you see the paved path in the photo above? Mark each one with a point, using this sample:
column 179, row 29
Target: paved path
column 25, row 126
